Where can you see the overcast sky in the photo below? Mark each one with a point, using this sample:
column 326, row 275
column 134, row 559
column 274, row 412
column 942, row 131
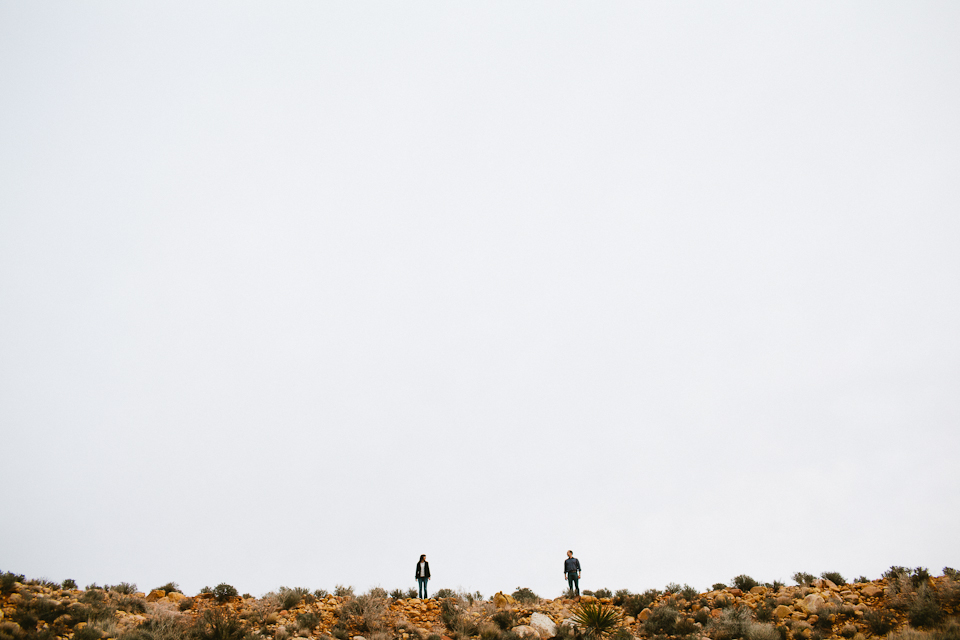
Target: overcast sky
column 293, row 293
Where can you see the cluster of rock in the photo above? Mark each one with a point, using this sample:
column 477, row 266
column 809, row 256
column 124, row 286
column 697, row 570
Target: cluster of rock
column 416, row 619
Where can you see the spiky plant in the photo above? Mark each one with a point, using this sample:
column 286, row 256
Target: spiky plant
column 595, row 620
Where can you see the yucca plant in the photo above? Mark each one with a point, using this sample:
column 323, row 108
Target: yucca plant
column 595, row 620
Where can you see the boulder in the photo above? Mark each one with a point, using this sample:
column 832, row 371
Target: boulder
column 812, row 602
column 155, row 595
column 543, row 625
column 587, row 599
column 735, row 592
column 526, row 631
column 758, row 589
column 782, row 611
column 175, row 596
column 871, row 591
column 501, row 599
column 643, row 615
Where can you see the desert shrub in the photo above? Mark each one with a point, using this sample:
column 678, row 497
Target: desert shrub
column 924, row 610
column 434, row 636
column 566, row 632
column 343, row 591
column 672, row 587
column 87, row 633
column 803, row 579
column 764, row 610
column 186, row 604
column 619, row 595
column 291, row 597
column 861, row 580
column 489, row 631
column 632, row 604
column 69, row 583
column 688, row 593
column 757, row 631
column 603, row 593
column 951, row 573
column 215, row 624
column 569, row 593
column 132, row 604
column 126, row 588
column 223, row 592
column 834, row 577
column 170, row 587
column 159, row 627
column 505, row 619
column 702, row 615
column 879, row 621
column 826, row 616
column 920, row 576
column 595, row 620
column 895, row 572
column 744, row 582
column 377, row 592
column 731, row 624
column 445, row 593
column 662, row 621
column 526, row 595
column 412, row 593
column 206, row 590
column 621, row 633
column 950, row 631
column 319, row 594
column 718, row 586
column 307, row 621
column 364, row 613
column 8, row 581
column 776, row 585
column 398, row 594
column 34, row 610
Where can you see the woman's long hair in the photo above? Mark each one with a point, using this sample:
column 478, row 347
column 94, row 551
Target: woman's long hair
column 422, row 556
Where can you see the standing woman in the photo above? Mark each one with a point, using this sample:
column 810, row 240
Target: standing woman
column 423, row 574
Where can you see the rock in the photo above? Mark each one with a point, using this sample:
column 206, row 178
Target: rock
column 155, row 595
column 358, row 638
column 526, row 631
column 501, row 599
column 587, row 599
column 848, row 630
column 628, row 620
column 643, row 615
column 758, row 589
column 782, row 611
column 871, row 591
column 735, row 592
column 175, row 596
column 543, row 625
column 812, row 602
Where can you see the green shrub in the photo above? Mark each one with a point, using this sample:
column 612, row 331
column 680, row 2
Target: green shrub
column 777, row 585
column 662, row 621
column 505, row 619
column 718, row 586
column 206, row 590
column 834, row 577
column 764, row 610
column 526, row 596
column 803, row 579
column 602, row 593
column 132, row 604
column 215, row 624
column 307, row 621
column 731, row 624
column 223, row 592
column 826, row 616
column 879, row 621
column 744, row 582
column 619, row 596
column 398, row 594
column 672, row 587
column 186, row 604
column 894, row 572
column 924, row 610
column 951, row 573
column 69, row 583
column 8, row 581
column 688, row 593
column 126, row 588
column 291, row 597
column 319, row 594
column 595, row 620
column 342, row 591
column 445, row 593
column 862, row 580
column 920, row 576
column 170, row 587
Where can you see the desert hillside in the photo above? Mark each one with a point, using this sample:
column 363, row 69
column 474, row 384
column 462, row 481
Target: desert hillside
column 903, row 605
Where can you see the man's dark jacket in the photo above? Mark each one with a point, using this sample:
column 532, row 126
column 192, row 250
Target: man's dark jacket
column 571, row 564
column 426, row 571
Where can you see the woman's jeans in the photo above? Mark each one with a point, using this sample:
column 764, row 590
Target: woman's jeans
column 422, row 587
column 573, row 581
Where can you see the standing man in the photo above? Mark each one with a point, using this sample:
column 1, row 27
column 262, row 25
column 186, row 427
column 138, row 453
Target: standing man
column 422, row 575
column 571, row 571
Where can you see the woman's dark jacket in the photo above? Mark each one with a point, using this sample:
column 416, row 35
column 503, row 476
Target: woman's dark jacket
column 426, row 571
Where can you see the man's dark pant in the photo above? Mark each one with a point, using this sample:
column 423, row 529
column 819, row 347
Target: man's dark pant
column 573, row 581
column 422, row 587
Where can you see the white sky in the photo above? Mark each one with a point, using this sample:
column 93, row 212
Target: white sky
column 290, row 295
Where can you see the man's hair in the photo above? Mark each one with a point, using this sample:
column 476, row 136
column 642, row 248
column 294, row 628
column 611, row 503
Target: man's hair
column 569, row 551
